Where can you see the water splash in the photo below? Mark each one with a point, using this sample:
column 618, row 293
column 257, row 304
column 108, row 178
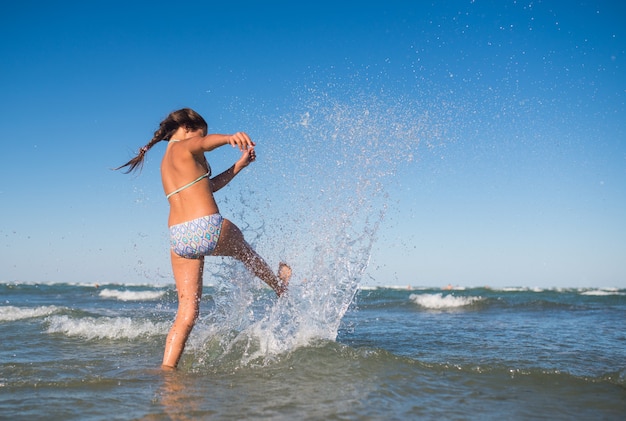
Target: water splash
column 324, row 198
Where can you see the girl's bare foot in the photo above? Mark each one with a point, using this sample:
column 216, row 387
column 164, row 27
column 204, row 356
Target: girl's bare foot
column 284, row 274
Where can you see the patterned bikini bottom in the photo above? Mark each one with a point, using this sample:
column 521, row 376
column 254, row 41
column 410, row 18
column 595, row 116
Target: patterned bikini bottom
column 196, row 238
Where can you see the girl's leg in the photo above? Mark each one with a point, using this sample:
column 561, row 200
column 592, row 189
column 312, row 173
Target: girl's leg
column 188, row 276
column 232, row 244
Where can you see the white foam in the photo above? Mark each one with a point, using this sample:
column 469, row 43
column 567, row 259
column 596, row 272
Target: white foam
column 11, row 313
column 439, row 301
column 105, row 327
column 131, row 295
column 520, row 289
column 602, row 292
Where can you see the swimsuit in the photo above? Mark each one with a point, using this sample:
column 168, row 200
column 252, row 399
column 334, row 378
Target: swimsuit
column 196, row 238
column 208, row 174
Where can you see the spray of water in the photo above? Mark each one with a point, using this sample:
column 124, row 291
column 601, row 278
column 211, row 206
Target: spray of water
column 322, row 200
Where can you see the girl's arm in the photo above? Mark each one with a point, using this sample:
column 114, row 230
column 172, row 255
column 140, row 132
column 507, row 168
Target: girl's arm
column 198, row 145
column 224, row 178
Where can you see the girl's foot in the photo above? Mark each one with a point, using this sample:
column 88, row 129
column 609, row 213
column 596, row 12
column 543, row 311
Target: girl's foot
column 284, row 274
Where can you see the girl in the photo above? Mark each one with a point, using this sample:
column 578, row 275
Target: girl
column 196, row 227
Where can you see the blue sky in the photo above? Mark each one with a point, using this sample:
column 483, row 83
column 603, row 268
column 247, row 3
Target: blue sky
column 491, row 133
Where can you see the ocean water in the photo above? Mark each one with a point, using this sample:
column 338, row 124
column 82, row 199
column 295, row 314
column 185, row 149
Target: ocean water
column 331, row 349
column 93, row 353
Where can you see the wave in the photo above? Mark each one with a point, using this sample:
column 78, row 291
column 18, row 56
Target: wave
column 84, row 284
column 131, row 295
column 520, row 289
column 323, row 357
column 11, row 313
column 439, row 301
column 602, row 292
column 105, row 327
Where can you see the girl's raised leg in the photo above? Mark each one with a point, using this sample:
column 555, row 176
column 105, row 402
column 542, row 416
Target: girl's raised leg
column 232, row 244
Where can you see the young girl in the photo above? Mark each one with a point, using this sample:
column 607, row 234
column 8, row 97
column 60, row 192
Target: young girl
column 196, row 227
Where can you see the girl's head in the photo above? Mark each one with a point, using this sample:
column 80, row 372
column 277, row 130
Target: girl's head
column 185, row 118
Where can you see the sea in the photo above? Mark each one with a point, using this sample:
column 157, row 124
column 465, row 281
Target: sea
column 333, row 348
column 93, row 352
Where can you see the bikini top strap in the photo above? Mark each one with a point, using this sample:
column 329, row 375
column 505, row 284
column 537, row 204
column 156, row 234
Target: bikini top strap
column 188, row 185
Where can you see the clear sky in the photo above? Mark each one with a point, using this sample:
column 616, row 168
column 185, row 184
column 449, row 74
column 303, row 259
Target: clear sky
column 491, row 134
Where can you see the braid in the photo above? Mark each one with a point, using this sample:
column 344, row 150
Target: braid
column 185, row 117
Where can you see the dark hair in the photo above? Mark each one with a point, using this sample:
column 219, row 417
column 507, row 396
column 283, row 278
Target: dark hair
column 186, row 117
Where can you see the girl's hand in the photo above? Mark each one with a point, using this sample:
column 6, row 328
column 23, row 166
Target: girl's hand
column 241, row 140
column 247, row 157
